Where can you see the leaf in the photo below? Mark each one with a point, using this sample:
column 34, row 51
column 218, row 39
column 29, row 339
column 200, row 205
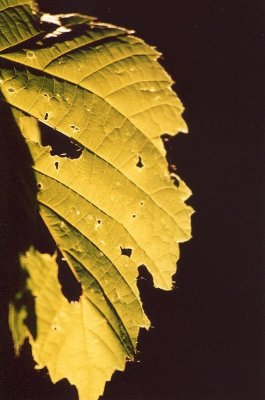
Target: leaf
column 17, row 22
column 115, row 207
column 71, row 339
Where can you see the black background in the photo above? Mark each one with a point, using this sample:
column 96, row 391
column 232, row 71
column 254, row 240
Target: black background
column 207, row 342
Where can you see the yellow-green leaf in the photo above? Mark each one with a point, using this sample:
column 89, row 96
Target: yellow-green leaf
column 74, row 341
column 114, row 208
column 18, row 22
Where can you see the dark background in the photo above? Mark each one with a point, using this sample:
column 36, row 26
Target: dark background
column 207, row 342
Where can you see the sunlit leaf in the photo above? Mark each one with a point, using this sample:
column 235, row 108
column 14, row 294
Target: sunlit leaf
column 18, row 22
column 111, row 208
column 73, row 340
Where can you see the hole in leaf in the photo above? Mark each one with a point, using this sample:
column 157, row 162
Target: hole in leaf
column 98, row 223
column 45, row 95
column 61, row 145
column 70, row 287
column 56, row 164
column 46, row 116
column 39, row 186
column 142, row 203
column 139, row 163
column 11, row 90
column 134, row 215
column 74, row 128
column 126, row 251
column 175, row 180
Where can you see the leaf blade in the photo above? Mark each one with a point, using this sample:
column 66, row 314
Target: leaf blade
column 71, row 337
column 114, row 208
column 17, row 23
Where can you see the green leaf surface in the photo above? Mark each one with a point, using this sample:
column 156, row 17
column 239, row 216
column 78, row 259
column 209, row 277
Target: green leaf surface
column 114, row 208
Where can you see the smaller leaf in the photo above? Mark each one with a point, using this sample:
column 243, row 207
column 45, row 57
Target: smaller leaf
column 73, row 340
column 17, row 317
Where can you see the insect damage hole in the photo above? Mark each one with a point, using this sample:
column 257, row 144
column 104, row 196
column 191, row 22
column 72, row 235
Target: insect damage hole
column 74, row 128
column 98, row 223
column 46, row 117
column 126, row 251
column 60, row 144
column 56, row 164
column 70, row 287
column 175, row 180
column 139, row 163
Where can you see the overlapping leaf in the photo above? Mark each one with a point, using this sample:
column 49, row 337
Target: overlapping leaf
column 72, row 340
column 18, row 22
column 115, row 207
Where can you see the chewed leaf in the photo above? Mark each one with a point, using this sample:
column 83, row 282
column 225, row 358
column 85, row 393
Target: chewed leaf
column 110, row 209
column 74, row 341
